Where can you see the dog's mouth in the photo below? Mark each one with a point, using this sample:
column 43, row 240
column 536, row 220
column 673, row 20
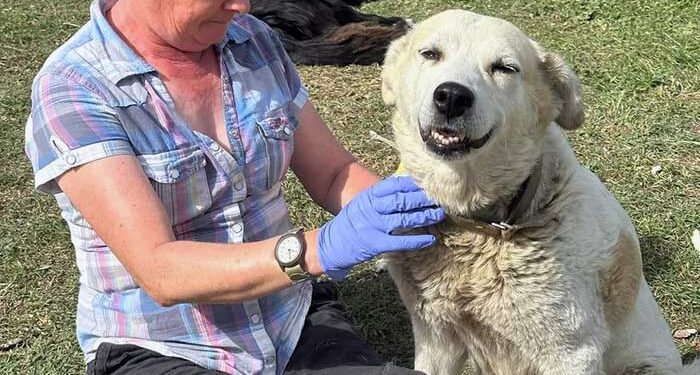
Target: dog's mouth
column 449, row 142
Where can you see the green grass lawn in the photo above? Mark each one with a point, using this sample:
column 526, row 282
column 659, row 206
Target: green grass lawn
column 639, row 62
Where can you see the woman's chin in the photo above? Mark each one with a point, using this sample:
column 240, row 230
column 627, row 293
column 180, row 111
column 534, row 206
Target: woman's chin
column 207, row 35
column 214, row 30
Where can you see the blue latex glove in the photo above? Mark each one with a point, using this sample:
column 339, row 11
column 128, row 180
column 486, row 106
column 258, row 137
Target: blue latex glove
column 363, row 228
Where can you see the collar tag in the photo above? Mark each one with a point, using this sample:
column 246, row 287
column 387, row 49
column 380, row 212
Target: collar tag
column 506, row 229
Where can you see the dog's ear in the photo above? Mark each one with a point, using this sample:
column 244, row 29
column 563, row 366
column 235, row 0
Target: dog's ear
column 390, row 69
column 565, row 86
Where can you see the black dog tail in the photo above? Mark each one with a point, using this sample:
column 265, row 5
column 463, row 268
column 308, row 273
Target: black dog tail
column 358, row 43
column 354, row 3
column 319, row 51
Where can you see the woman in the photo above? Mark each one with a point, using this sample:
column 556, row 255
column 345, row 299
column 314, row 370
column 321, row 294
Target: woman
column 163, row 128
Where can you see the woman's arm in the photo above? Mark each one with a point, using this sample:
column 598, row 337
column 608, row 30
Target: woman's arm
column 126, row 213
column 327, row 170
column 115, row 197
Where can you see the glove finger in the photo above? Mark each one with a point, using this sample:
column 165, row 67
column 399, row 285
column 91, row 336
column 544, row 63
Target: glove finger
column 415, row 219
column 402, row 202
column 394, row 184
column 415, row 242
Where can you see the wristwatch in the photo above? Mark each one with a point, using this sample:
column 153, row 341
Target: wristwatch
column 289, row 253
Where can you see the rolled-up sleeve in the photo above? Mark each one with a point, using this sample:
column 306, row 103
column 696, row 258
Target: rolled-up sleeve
column 69, row 125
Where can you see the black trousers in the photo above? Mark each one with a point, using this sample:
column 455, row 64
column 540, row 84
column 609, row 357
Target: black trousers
column 328, row 345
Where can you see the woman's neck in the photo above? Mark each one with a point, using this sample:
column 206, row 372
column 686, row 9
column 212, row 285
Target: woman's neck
column 150, row 46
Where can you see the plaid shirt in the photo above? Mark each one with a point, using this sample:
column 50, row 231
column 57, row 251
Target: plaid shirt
column 95, row 98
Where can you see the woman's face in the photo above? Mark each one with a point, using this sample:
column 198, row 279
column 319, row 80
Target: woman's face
column 194, row 25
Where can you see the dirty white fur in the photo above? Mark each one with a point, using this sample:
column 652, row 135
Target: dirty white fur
column 568, row 297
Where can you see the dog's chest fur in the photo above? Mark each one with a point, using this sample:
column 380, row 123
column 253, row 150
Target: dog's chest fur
column 476, row 287
column 476, row 271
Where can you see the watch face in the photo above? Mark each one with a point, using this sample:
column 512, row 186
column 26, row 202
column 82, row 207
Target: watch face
column 288, row 250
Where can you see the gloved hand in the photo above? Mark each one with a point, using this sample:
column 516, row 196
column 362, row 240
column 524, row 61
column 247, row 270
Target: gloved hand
column 363, row 228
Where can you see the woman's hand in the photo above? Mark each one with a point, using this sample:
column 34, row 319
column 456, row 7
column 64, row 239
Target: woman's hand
column 363, row 228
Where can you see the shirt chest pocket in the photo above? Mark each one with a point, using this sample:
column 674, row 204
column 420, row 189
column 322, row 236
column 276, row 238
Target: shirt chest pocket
column 179, row 178
column 277, row 133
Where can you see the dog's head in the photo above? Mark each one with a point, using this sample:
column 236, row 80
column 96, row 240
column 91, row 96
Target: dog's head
column 464, row 81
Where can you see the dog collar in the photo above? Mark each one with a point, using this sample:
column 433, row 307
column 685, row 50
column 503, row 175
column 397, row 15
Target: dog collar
column 516, row 209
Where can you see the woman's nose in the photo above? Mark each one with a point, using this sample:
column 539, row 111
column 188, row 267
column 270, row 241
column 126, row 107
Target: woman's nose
column 238, row 6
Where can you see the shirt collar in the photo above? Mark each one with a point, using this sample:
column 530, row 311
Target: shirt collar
column 120, row 60
column 236, row 32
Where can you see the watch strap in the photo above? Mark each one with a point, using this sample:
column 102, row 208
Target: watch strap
column 296, row 273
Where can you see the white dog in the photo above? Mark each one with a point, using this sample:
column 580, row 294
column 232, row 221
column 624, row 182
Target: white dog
column 555, row 284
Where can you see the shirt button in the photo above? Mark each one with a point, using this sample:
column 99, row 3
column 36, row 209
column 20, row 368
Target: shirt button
column 287, row 130
column 214, row 147
column 237, row 228
column 238, row 182
column 255, row 319
column 269, row 361
column 174, row 173
column 71, row 159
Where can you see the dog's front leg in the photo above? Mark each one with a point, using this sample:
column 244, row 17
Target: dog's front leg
column 570, row 352
column 582, row 361
column 437, row 353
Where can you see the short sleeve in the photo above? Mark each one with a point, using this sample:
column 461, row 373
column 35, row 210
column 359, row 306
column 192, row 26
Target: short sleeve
column 69, row 125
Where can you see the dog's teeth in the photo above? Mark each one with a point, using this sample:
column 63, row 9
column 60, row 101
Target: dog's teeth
column 445, row 140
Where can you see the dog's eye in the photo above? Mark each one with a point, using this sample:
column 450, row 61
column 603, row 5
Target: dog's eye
column 430, row 54
column 504, row 67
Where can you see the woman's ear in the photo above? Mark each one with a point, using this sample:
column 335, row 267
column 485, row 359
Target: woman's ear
column 566, row 88
column 391, row 68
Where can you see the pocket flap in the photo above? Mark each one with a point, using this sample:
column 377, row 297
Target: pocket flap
column 173, row 166
column 277, row 125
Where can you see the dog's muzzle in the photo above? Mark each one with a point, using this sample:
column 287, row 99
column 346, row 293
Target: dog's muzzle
column 452, row 100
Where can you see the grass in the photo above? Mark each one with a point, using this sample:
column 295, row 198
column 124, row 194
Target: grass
column 639, row 62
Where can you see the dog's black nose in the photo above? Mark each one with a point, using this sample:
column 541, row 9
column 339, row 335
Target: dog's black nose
column 452, row 99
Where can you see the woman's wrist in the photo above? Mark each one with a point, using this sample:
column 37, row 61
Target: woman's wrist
column 312, row 264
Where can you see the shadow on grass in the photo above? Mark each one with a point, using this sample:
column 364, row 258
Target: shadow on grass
column 690, row 357
column 656, row 256
column 379, row 314
column 662, row 265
